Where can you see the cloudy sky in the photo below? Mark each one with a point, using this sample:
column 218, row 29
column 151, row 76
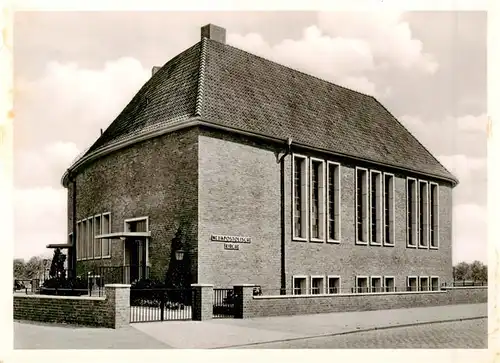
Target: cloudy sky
column 74, row 72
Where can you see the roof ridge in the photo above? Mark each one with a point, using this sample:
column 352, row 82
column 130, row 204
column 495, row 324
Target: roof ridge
column 295, row 70
column 201, row 77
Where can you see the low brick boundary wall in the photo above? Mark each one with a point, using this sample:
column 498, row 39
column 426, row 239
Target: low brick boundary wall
column 112, row 311
column 248, row 306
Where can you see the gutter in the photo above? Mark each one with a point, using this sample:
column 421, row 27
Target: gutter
column 198, row 121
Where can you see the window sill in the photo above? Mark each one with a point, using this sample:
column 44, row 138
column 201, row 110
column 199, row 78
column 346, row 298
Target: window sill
column 317, row 240
column 420, row 247
column 108, row 256
column 411, row 246
column 361, row 243
column 434, row 248
column 388, row 244
column 375, row 243
column 333, row 241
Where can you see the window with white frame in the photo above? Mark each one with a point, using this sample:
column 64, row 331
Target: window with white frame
column 97, row 241
column 375, row 207
column 333, row 285
column 317, row 285
column 84, row 239
column 423, row 214
column 389, row 231
column 299, row 285
column 424, row 283
column 389, row 285
column 434, row 215
column 106, row 228
column 412, row 209
column 78, row 241
column 362, row 285
column 412, row 283
column 435, row 283
column 90, row 238
column 299, row 197
column 362, row 206
column 317, row 199
column 376, row 284
column 333, row 176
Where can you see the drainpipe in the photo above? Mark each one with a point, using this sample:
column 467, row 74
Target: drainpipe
column 72, row 179
column 281, row 160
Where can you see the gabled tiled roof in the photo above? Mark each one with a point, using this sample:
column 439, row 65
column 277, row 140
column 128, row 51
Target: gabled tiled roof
column 235, row 89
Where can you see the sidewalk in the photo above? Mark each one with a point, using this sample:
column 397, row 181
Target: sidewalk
column 227, row 333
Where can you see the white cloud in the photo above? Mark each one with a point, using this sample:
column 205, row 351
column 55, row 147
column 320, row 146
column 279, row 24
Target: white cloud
column 39, row 219
column 472, row 123
column 343, row 47
column 71, row 103
column 470, row 235
column 464, row 167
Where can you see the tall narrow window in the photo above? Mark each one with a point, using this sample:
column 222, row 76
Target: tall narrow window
column 389, row 210
column 423, row 213
column 84, row 238
column 434, row 215
column 333, row 202
column 362, row 206
column 106, row 228
column 78, row 241
column 424, row 283
column 411, row 208
column 97, row 242
column 317, row 200
column 299, row 197
column 375, row 207
column 90, row 238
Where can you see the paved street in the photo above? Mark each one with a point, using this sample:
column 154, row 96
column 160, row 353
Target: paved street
column 453, row 335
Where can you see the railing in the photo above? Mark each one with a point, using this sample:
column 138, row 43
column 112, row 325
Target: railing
column 223, row 303
column 459, row 283
column 160, row 304
column 122, row 274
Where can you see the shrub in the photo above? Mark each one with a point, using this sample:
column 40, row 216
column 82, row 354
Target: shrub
column 64, row 287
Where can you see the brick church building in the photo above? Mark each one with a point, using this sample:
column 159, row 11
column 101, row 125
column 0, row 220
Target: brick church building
column 272, row 176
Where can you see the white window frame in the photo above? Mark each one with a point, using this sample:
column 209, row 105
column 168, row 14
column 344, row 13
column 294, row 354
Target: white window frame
column 304, row 277
column 338, row 204
column 391, row 213
column 367, row 284
column 420, row 278
column 321, row 200
column 426, row 229
column 393, row 283
column 436, row 228
column 379, row 202
column 317, row 277
column 126, row 228
column 416, row 282
column 78, row 241
column 381, row 287
column 367, row 206
column 430, row 283
column 97, row 217
column 305, row 207
column 108, row 241
column 84, row 230
column 415, row 213
column 90, row 237
column 328, row 284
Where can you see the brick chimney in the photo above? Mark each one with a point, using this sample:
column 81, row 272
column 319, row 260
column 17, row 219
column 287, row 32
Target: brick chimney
column 214, row 32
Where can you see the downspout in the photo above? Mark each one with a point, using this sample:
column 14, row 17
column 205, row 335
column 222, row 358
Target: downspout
column 73, row 212
column 282, row 193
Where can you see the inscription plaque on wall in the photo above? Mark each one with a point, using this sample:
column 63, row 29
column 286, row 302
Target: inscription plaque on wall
column 231, row 246
column 234, row 239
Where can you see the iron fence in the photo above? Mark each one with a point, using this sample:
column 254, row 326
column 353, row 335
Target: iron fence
column 469, row 283
column 224, row 300
column 122, row 274
column 160, row 304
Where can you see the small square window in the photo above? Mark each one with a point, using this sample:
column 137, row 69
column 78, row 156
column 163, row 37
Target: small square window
column 362, row 284
column 389, row 284
column 435, row 283
column 412, row 283
column 299, row 285
column 333, row 285
column 317, row 285
column 376, row 284
column 424, row 283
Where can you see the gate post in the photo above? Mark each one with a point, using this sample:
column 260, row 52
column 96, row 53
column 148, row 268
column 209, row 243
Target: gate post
column 243, row 297
column 203, row 301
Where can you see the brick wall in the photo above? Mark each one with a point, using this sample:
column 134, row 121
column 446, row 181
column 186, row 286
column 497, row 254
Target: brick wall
column 155, row 178
column 113, row 311
column 261, row 306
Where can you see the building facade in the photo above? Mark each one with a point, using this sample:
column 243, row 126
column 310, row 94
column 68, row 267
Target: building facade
column 274, row 177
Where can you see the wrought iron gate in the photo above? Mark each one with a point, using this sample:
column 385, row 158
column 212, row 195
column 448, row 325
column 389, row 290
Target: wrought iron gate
column 223, row 303
column 160, row 304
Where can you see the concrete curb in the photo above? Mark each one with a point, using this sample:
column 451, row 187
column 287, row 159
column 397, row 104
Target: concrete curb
column 354, row 331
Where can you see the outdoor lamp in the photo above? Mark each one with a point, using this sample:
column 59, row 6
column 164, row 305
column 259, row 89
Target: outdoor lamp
column 179, row 255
